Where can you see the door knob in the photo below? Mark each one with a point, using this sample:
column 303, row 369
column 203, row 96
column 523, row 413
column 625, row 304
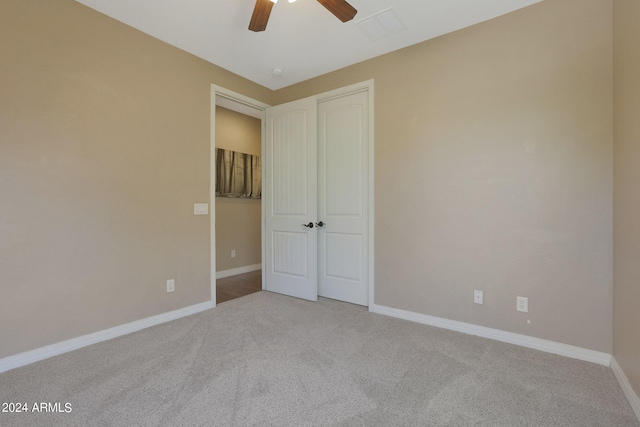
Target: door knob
column 320, row 224
column 310, row 225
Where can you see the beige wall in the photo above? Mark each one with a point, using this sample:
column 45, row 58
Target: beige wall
column 626, row 200
column 238, row 132
column 104, row 148
column 493, row 171
column 237, row 220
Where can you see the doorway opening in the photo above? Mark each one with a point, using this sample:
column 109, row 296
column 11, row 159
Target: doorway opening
column 236, row 219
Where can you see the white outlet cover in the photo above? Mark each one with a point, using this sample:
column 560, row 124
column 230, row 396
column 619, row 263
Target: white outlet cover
column 171, row 285
column 478, row 297
column 522, row 304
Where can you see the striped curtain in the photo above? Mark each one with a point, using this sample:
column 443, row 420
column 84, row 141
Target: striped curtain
column 238, row 174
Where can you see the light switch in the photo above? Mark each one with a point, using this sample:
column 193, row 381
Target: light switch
column 201, row 209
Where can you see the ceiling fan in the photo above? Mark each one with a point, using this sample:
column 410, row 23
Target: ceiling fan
column 340, row 8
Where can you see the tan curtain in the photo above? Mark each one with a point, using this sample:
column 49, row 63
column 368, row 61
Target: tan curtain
column 238, row 174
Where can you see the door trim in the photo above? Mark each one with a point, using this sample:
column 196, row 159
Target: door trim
column 241, row 104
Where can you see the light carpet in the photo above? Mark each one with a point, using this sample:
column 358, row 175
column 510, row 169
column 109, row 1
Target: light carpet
column 271, row 360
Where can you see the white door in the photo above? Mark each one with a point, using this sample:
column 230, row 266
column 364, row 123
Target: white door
column 343, row 198
column 290, row 198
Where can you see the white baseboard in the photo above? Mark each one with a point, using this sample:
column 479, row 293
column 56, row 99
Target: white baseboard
column 631, row 395
column 42, row 353
column 239, row 270
column 498, row 335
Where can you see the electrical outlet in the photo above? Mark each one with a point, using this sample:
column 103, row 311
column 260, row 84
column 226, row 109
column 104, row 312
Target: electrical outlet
column 233, row 253
column 171, row 285
column 478, row 297
column 522, row 304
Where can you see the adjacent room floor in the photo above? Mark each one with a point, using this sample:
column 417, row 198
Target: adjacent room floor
column 238, row 286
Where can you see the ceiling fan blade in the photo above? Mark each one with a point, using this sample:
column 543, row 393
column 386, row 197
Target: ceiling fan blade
column 340, row 8
column 260, row 16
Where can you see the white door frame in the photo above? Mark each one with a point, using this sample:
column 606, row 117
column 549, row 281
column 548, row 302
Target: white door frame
column 241, row 104
column 218, row 92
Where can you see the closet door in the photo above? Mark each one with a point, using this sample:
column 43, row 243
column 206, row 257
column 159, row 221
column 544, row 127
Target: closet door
column 290, row 198
column 343, row 170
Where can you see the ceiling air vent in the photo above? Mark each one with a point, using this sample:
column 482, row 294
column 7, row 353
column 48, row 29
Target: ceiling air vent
column 381, row 24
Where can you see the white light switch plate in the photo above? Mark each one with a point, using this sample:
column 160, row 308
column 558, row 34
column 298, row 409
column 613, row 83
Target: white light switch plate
column 201, row 209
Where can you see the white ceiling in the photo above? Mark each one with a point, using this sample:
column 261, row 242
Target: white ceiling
column 302, row 38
